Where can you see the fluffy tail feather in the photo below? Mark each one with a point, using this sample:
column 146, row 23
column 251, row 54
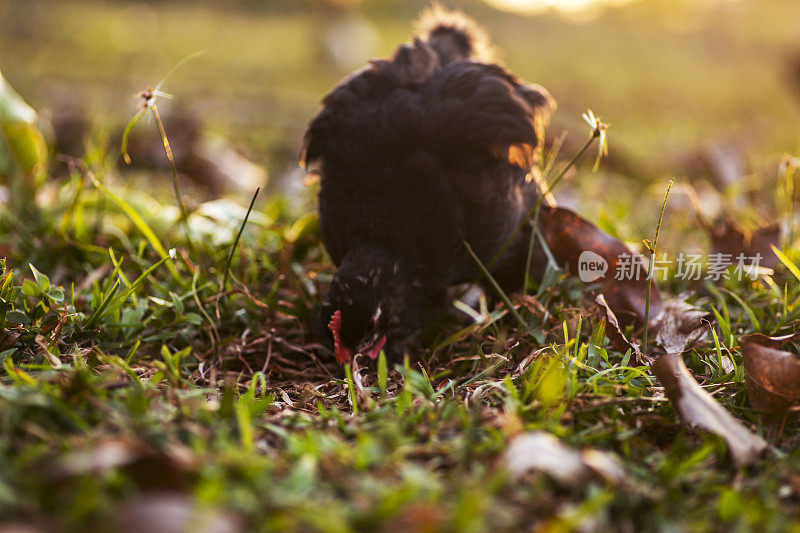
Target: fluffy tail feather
column 453, row 35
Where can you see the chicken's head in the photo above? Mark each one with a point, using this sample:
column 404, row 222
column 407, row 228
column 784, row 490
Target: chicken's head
column 357, row 317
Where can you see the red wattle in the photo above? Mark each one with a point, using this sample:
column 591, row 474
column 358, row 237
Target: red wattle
column 377, row 347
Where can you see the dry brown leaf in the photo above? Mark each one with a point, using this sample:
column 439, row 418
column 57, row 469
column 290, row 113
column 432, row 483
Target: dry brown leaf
column 568, row 236
column 728, row 237
column 773, row 375
column 680, row 325
column 540, row 451
column 726, row 161
column 698, row 408
column 614, row 331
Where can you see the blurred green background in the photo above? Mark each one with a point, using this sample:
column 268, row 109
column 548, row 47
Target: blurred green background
column 677, row 80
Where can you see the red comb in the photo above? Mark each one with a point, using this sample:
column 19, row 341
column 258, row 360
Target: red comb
column 335, row 325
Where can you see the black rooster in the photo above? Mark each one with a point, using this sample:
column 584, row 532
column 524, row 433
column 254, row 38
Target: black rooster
column 418, row 154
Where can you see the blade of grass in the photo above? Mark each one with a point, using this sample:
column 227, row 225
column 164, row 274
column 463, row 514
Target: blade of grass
column 383, row 373
column 141, row 225
column 236, row 242
column 102, row 307
column 111, row 278
column 129, row 291
column 747, row 309
column 132, row 351
column 131, row 124
column 202, row 309
column 123, row 277
column 788, row 263
column 554, row 151
column 350, row 388
column 496, row 286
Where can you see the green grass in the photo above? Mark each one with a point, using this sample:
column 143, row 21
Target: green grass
column 127, row 371
column 131, row 366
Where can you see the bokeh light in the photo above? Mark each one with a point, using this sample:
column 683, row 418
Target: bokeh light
column 537, row 6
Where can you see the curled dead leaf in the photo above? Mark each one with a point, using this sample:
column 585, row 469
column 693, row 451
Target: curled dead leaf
column 614, row 331
column 698, row 408
column 568, row 235
column 773, row 375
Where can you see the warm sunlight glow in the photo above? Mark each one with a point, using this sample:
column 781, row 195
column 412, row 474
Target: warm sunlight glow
column 536, row 6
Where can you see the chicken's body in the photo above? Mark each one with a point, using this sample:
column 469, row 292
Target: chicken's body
column 416, row 155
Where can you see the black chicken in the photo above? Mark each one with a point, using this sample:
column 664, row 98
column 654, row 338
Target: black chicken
column 416, row 155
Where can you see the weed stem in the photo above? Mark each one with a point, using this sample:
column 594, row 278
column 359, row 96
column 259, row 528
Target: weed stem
column 175, row 186
column 652, row 248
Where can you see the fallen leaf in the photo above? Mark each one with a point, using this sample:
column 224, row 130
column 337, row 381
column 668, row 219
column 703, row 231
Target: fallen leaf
column 170, row 512
column 727, row 364
column 614, row 331
column 726, row 162
column 770, row 342
column 148, row 468
column 728, row 237
column 106, row 455
column 773, row 375
column 680, row 325
column 698, row 408
column 568, row 236
column 542, row 452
